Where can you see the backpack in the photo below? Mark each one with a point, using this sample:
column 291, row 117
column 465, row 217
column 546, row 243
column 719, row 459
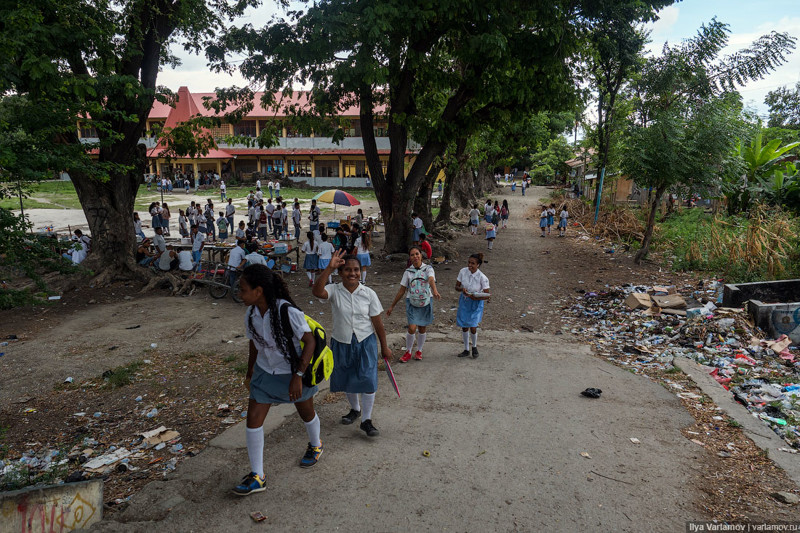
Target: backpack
column 321, row 365
column 222, row 224
column 419, row 294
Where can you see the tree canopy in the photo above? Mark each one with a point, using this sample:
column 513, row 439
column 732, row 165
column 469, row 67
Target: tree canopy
column 784, row 107
column 441, row 70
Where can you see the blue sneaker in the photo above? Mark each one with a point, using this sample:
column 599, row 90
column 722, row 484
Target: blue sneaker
column 250, row 483
column 312, row 456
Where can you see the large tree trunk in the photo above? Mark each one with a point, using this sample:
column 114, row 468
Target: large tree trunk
column 108, row 206
column 484, row 182
column 457, row 184
column 651, row 221
column 422, row 202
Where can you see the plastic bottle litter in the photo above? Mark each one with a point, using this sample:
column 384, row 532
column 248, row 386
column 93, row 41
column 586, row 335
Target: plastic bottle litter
column 152, row 413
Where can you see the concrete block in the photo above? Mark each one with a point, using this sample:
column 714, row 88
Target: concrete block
column 67, row 507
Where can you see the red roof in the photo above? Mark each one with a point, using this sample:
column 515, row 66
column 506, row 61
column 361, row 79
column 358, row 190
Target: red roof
column 300, row 151
column 297, row 98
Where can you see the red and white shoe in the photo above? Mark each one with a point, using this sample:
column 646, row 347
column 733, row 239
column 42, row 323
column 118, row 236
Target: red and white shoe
column 418, row 356
column 406, row 357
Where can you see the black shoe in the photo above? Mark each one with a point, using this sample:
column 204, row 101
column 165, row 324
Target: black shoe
column 474, row 352
column 369, row 429
column 465, row 353
column 350, row 417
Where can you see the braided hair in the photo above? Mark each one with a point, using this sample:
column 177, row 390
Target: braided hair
column 274, row 288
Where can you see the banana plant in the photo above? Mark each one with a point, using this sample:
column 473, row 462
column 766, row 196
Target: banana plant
column 760, row 160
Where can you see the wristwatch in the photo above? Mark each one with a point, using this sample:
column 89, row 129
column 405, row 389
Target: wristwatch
column 298, row 373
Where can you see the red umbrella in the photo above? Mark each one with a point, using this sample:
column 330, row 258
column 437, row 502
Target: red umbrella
column 391, row 376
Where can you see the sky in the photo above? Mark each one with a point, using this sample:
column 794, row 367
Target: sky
column 748, row 20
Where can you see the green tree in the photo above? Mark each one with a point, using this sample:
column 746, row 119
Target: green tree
column 784, row 107
column 682, row 101
column 769, row 174
column 96, row 63
column 550, row 163
column 440, row 70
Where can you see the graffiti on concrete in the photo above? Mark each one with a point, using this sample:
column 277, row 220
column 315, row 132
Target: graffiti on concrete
column 54, row 515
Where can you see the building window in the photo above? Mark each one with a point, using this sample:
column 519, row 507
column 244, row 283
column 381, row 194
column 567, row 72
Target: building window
column 292, row 131
column 327, row 169
column 299, row 168
column 246, row 166
column 245, row 128
column 381, row 129
column 88, row 131
column 273, row 165
column 355, row 169
column 221, row 131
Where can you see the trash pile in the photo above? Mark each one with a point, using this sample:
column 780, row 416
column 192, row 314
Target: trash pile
column 643, row 328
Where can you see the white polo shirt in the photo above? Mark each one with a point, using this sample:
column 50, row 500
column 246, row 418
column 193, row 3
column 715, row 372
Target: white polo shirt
column 269, row 357
column 352, row 312
column 199, row 239
column 477, row 282
column 236, row 257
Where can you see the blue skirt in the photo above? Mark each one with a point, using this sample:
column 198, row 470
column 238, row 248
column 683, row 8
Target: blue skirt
column 355, row 366
column 491, row 234
column 416, row 235
column 274, row 388
column 311, row 262
column 419, row 316
column 542, row 222
column 322, row 264
column 364, row 259
column 562, row 223
column 549, row 220
column 487, row 218
column 470, row 312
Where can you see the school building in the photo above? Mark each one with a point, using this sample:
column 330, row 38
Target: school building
column 313, row 159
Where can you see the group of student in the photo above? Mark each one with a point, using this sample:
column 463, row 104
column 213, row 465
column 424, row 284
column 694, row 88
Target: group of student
column 79, row 249
column 320, row 247
column 282, row 343
column 547, row 219
column 494, row 214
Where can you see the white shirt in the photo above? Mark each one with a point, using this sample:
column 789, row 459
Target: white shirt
column 269, row 357
column 477, row 282
column 229, row 209
column 424, row 270
column 277, row 185
column 310, row 249
column 258, row 183
column 185, row 260
column 164, row 261
column 352, row 312
column 564, row 214
column 474, row 215
column 270, row 185
column 259, row 195
column 255, row 258
column 358, row 245
column 199, row 239
column 418, row 223
column 240, row 233
column 236, row 257
column 296, row 216
column 137, row 226
column 78, row 255
column 182, row 222
column 325, row 250
column 159, row 243
column 270, row 208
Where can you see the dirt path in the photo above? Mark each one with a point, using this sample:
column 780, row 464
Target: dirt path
column 518, row 403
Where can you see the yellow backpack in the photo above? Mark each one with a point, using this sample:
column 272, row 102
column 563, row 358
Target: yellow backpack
column 321, row 365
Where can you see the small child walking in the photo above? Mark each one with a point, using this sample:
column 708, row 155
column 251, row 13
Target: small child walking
column 311, row 262
column 474, row 218
column 274, row 370
column 491, row 233
column 504, row 214
column 551, row 215
column 543, row 219
column 361, row 246
column 471, row 282
column 562, row 221
column 357, row 330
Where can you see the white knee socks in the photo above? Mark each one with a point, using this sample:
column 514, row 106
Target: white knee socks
column 364, row 276
column 255, row 450
column 491, row 243
column 367, row 401
column 465, row 336
column 310, row 276
column 353, row 399
column 421, row 341
column 409, row 341
column 474, row 339
column 312, row 428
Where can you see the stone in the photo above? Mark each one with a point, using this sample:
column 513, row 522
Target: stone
column 786, row 497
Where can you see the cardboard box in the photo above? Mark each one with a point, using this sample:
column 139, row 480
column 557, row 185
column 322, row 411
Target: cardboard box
column 670, row 301
column 638, row 300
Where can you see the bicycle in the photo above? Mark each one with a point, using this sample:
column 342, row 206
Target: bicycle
column 221, row 281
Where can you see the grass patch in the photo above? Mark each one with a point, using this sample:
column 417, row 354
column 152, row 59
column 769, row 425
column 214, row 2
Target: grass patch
column 673, row 370
column 763, row 246
column 123, row 375
column 27, row 203
column 241, row 368
column 229, row 359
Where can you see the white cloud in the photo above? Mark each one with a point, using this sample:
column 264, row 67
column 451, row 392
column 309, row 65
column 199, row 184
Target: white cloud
column 667, row 18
